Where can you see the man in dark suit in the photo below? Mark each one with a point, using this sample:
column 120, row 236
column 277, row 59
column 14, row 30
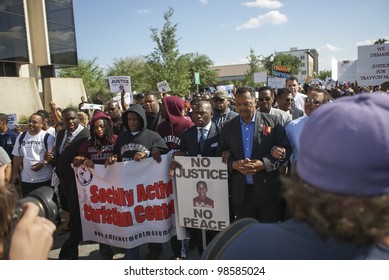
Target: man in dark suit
column 190, row 139
column 253, row 173
column 191, row 145
column 68, row 142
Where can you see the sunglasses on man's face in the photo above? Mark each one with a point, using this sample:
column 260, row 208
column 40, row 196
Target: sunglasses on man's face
column 218, row 99
column 313, row 101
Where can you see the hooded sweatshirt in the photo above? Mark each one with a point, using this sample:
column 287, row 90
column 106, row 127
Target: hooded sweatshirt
column 145, row 140
column 98, row 153
column 172, row 127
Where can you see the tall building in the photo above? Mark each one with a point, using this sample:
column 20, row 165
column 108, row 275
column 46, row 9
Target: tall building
column 309, row 62
column 36, row 38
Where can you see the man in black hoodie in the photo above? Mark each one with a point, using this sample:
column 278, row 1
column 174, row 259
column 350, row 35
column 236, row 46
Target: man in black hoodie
column 136, row 143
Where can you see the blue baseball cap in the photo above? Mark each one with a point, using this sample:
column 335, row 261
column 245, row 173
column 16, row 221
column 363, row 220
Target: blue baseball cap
column 345, row 146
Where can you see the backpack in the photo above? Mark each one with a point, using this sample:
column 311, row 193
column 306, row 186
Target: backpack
column 21, row 138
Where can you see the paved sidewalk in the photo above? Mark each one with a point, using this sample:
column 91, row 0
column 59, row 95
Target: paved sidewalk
column 90, row 250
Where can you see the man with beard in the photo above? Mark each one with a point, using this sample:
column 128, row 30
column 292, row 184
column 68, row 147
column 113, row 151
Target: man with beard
column 153, row 112
column 116, row 116
column 221, row 110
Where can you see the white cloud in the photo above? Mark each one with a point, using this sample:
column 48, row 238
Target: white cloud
column 266, row 4
column 144, row 11
column 329, row 47
column 370, row 42
column 364, row 43
column 204, row 2
column 273, row 17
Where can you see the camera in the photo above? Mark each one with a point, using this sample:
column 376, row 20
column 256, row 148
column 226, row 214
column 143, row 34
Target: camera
column 43, row 198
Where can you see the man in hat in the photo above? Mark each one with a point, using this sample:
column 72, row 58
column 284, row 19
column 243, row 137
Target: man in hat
column 221, row 110
column 340, row 195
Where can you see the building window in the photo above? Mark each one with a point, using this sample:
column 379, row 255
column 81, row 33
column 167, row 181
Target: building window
column 13, row 37
column 61, row 30
column 303, row 72
column 302, row 57
column 302, row 64
column 8, row 69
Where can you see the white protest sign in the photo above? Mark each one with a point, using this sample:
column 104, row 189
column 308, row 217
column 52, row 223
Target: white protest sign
column 228, row 88
column 125, row 205
column 90, row 106
column 202, row 193
column 330, row 84
column 260, row 77
column 373, row 65
column 128, row 98
column 12, row 121
column 118, row 83
column 163, row 87
column 275, row 82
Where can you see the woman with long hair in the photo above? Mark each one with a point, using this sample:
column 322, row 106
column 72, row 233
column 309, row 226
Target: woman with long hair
column 96, row 150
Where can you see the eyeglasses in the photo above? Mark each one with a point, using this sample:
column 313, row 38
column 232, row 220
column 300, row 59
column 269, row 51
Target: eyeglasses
column 112, row 109
column 32, row 122
column 313, row 101
column 291, row 100
column 264, row 99
column 218, row 99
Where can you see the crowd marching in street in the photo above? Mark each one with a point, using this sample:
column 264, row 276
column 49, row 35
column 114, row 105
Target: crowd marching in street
column 307, row 166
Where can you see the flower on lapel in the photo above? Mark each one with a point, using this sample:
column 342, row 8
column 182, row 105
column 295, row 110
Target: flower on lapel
column 267, row 130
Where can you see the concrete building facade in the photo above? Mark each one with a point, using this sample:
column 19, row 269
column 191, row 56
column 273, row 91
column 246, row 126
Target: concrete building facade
column 309, row 62
column 36, row 38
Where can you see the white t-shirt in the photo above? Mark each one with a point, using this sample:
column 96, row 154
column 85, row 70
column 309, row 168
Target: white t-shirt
column 33, row 151
column 299, row 101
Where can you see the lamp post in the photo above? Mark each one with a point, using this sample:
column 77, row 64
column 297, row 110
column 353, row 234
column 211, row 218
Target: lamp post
column 271, row 59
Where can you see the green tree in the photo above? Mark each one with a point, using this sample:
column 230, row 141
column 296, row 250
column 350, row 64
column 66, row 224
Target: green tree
column 165, row 62
column 285, row 60
column 91, row 75
column 254, row 66
column 380, row 41
column 201, row 63
column 324, row 74
column 136, row 68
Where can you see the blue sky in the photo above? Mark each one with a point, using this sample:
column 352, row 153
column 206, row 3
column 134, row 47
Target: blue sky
column 225, row 30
